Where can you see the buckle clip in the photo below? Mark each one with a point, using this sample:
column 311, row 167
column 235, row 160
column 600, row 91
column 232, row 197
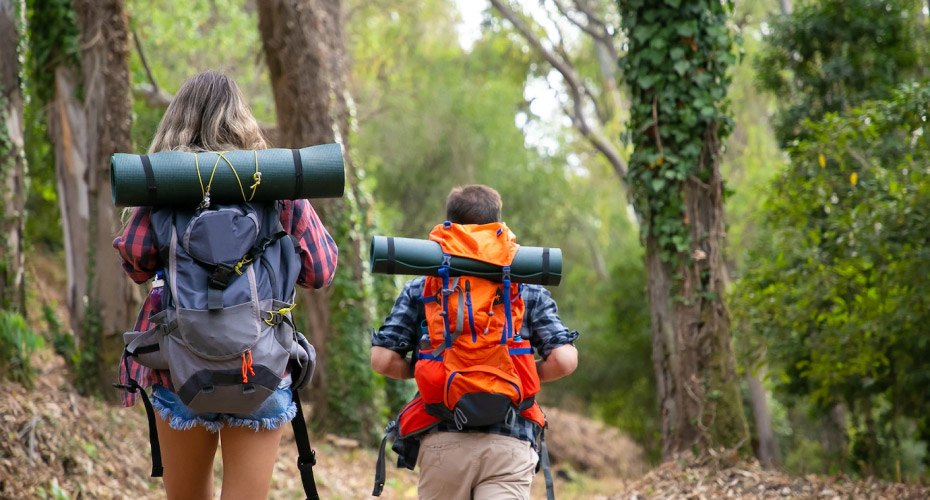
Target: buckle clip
column 305, row 465
column 220, row 277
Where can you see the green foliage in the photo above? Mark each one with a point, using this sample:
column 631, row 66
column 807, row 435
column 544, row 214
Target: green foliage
column 830, row 55
column 17, row 344
column 53, row 43
column 61, row 339
column 676, row 68
column 837, row 290
column 350, row 408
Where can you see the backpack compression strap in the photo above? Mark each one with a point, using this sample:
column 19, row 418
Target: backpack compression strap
column 544, row 463
column 306, row 457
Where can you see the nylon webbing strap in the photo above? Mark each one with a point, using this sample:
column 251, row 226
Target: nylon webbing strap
column 380, row 474
column 390, row 256
column 547, row 469
column 298, row 174
column 133, row 386
column 545, row 267
column 157, row 469
column 306, row 457
column 149, row 178
column 459, row 319
column 214, row 298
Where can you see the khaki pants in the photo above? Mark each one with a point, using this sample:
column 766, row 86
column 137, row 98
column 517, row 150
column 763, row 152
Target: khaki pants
column 479, row 466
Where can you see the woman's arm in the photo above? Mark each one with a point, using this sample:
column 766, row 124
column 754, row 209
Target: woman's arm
column 137, row 248
column 318, row 252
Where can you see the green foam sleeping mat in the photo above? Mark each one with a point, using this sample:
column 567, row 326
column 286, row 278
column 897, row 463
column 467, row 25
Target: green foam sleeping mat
column 534, row 265
column 170, row 178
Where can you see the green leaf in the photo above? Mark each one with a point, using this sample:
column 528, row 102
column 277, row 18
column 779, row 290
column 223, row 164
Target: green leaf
column 681, row 67
column 658, row 184
column 677, row 53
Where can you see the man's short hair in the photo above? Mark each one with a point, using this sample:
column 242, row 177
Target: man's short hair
column 473, row 204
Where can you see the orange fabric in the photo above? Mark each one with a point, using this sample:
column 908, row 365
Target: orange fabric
column 535, row 414
column 477, row 241
column 414, row 418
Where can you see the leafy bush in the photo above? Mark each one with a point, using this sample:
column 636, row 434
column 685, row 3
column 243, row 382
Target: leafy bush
column 17, row 343
column 837, row 294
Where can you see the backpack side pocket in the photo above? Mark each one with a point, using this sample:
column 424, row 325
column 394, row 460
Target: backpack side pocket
column 147, row 347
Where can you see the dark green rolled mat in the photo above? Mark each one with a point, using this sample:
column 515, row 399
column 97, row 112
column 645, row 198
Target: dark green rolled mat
column 535, row 265
column 286, row 174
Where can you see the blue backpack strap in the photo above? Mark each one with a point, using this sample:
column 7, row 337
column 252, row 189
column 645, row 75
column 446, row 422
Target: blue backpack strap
column 508, row 330
column 444, row 273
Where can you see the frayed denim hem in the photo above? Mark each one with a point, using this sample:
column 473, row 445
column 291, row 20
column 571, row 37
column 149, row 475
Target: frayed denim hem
column 266, row 423
column 180, row 423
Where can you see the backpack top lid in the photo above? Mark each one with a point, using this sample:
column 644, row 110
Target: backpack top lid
column 492, row 243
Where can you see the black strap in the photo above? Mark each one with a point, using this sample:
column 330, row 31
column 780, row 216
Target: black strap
column 546, row 467
column 380, row 474
column 306, row 457
column 149, row 178
column 390, row 256
column 298, row 175
column 133, row 386
column 545, row 267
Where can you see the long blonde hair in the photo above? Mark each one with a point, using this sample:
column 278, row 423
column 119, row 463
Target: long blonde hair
column 208, row 114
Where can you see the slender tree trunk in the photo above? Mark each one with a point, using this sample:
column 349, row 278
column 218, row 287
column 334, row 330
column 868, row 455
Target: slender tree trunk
column 12, row 159
column 305, row 53
column 767, row 448
column 86, row 130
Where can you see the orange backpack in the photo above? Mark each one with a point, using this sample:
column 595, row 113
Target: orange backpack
column 473, row 367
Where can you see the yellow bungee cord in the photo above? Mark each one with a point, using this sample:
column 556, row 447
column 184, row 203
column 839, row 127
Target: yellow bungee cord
column 205, row 191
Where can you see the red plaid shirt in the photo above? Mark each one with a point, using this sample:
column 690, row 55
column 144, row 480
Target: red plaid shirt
column 318, row 255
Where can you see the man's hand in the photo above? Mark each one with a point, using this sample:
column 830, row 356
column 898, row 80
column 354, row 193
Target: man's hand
column 389, row 363
column 561, row 361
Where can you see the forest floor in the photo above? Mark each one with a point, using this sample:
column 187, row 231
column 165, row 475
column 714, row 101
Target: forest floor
column 59, row 445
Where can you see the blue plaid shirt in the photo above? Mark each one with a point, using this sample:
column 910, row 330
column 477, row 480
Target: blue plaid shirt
column 541, row 326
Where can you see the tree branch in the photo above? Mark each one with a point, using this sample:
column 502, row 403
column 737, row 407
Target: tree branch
column 577, row 89
column 154, row 96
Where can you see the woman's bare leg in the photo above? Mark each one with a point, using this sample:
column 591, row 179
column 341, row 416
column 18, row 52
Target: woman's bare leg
column 248, row 461
column 188, row 459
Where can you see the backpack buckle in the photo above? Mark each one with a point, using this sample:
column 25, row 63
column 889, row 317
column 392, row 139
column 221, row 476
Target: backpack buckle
column 301, row 465
column 221, row 276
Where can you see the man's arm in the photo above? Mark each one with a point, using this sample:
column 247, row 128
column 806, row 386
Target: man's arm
column 389, row 363
column 562, row 361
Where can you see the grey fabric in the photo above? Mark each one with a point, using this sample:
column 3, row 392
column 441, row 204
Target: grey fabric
column 227, row 360
column 221, row 236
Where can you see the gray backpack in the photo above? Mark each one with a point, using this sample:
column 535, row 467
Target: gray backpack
column 225, row 333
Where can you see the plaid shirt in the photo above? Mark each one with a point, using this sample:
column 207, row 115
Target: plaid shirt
column 136, row 247
column 541, row 326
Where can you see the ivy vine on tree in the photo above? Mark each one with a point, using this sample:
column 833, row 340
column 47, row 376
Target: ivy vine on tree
column 675, row 112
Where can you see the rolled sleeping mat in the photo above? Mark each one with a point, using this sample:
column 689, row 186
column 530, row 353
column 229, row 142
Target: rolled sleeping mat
column 533, row 265
column 170, row 178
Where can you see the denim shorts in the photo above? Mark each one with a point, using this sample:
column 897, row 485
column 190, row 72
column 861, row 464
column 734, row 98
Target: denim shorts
column 276, row 411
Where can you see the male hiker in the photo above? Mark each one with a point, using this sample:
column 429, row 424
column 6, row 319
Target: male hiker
column 479, row 427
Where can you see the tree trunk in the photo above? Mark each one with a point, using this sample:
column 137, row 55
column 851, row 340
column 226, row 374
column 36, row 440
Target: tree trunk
column 692, row 354
column 674, row 177
column 785, row 6
column 305, row 53
column 12, row 159
column 767, row 449
column 86, row 132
